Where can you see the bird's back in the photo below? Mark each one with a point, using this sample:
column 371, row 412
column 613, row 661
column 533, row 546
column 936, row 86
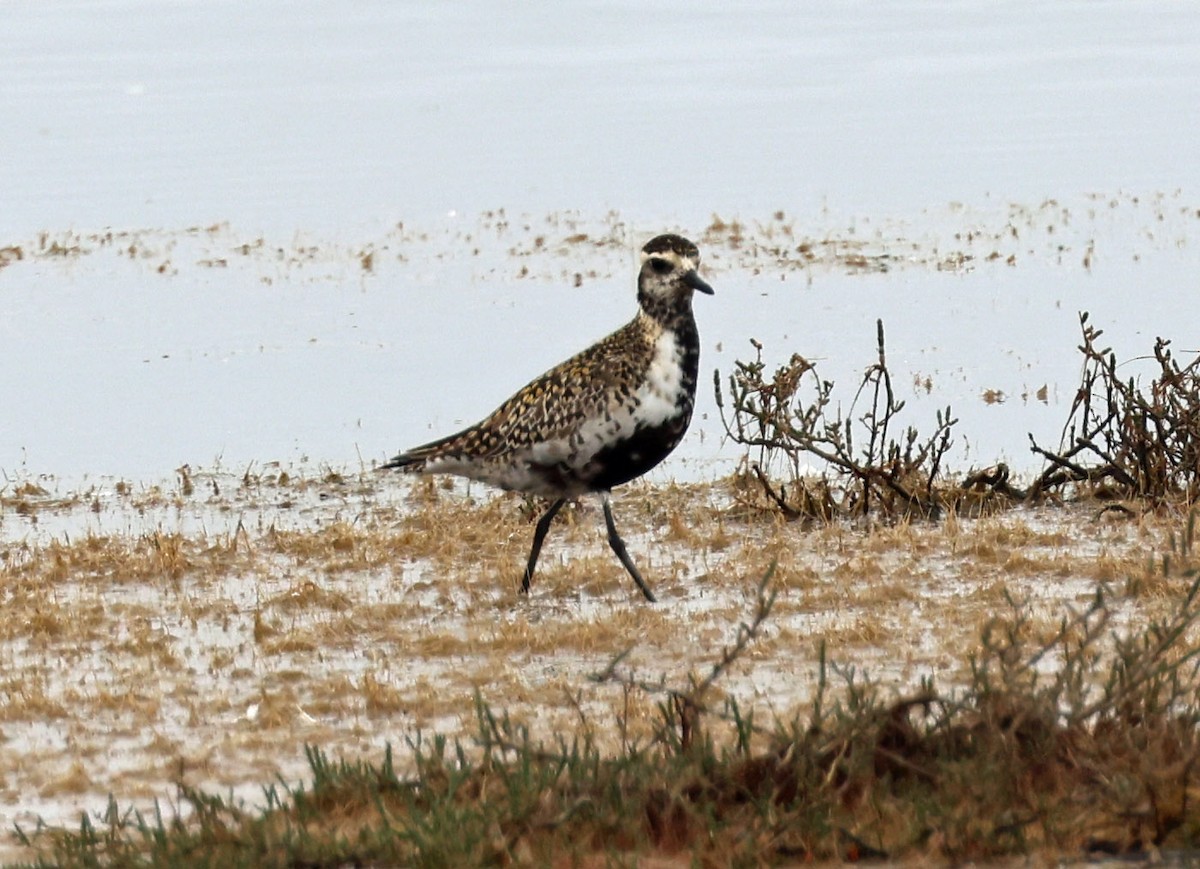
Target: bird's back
column 599, row 419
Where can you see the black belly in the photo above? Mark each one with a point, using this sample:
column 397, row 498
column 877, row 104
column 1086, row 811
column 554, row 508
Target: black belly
column 630, row 458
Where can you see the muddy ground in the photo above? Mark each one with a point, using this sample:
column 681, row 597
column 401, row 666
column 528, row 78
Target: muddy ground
column 204, row 631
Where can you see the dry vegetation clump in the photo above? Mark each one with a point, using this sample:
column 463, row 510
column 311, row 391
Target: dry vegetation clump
column 1121, row 441
column 1079, row 740
column 875, row 470
column 1124, row 440
column 27, row 497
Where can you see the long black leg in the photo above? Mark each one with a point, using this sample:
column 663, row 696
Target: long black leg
column 618, row 546
column 539, row 535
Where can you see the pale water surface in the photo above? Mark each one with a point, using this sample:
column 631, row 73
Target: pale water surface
column 316, row 128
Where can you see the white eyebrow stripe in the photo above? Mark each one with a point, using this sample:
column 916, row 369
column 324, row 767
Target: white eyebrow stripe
column 684, row 261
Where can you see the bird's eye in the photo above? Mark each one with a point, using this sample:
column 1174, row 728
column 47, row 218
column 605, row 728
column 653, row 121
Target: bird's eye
column 662, row 266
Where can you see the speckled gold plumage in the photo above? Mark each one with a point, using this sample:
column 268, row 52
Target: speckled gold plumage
column 555, row 404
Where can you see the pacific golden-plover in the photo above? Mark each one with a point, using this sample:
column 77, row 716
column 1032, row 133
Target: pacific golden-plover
column 600, row 419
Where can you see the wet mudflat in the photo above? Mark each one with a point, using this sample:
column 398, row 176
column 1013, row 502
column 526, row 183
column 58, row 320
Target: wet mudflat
column 205, row 630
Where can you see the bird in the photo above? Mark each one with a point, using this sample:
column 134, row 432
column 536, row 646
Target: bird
column 602, row 418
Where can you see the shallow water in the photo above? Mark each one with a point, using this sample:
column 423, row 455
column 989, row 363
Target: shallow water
column 212, row 348
column 308, row 132
column 318, row 116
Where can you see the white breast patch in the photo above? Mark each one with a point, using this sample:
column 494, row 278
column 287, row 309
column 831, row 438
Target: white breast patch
column 661, row 394
column 654, row 403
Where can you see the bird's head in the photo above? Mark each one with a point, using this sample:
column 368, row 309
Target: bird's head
column 668, row 276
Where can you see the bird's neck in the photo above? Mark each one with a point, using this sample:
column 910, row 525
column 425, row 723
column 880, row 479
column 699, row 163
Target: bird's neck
column 679, row 328
column 673, row 314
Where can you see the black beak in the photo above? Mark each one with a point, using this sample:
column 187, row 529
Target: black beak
column 696, row 282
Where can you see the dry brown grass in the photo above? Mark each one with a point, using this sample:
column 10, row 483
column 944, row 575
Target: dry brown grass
column 370, row 606
column 1018, row 761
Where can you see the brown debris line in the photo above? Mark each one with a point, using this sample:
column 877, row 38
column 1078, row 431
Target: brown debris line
column 547, row 246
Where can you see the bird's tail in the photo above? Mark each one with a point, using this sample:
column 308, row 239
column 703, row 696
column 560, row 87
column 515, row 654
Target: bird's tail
column 404, row 462
column 414, row 461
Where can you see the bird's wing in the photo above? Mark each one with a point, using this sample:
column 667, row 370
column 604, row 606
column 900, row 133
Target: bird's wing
column 548, row 410
column 553, row 407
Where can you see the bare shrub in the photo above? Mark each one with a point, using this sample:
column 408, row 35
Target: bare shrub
column 1122, row 440
column 1126, row 440
column 866, row 467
